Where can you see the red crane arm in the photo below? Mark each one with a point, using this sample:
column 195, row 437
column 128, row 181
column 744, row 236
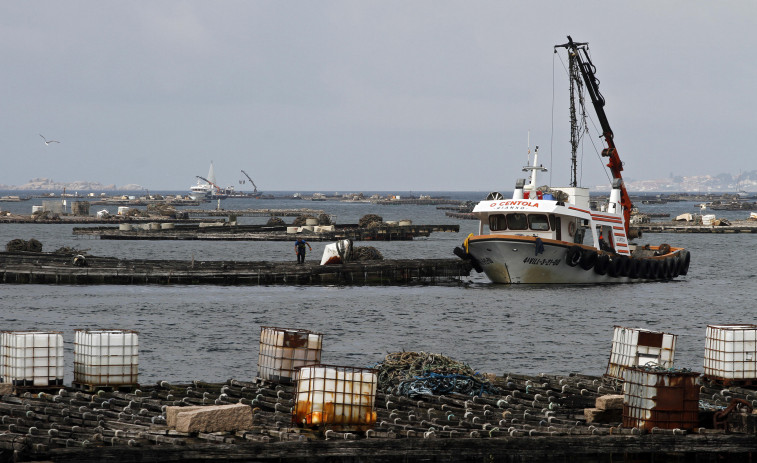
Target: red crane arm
column 592, row 85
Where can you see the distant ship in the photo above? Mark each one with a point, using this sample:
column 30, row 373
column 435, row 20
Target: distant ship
column 204, row 189
column 207, row 188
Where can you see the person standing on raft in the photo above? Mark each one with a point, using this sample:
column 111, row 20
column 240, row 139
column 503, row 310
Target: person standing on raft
column 299, row 249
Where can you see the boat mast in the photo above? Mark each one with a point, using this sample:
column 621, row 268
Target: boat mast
column 533, row 167
column 587, row 68
column 575, row 84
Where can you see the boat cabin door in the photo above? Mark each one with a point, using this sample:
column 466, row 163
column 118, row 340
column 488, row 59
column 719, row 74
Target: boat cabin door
column 605, row 236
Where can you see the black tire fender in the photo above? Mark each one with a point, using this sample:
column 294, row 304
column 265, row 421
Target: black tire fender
column 460, row 252
column 675, row 269
column 624, row 266
column 685, row 260
column 660, row 269
column 670, row 264
column 476, row 264
column 634, row 267
column 654, row 269
column 614, row 268
column 573, row 256
column 588, row 259
column 645, row 268
column 603, row 261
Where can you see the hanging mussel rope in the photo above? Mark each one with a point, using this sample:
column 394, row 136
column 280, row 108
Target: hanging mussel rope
column 414, row 373
column 324, row 219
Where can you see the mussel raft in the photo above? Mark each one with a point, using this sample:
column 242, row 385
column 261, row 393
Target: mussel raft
column 532, row 419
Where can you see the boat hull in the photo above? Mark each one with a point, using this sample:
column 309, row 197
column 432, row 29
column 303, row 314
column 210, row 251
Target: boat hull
column 514, row 259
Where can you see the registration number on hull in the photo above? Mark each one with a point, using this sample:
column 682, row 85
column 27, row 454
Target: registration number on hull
column 544, row 262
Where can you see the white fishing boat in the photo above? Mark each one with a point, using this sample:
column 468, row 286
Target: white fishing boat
column 552, row 235
column 206, row 188
column 201, row 190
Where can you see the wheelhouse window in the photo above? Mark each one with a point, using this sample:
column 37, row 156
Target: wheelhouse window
column 497, row 222
column 517, row 221
column 538, row 222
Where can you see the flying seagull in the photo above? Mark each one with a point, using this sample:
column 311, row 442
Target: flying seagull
column 47, row 142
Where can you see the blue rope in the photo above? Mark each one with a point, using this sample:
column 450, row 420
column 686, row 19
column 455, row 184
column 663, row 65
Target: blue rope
column 435, row 383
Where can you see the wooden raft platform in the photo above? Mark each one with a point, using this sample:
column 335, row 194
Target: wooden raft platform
column 742, row 227
column 224, row 232
column 49, row 268
column 88, row 219
column 417, row 201
column 252, row 212
column 537, row 418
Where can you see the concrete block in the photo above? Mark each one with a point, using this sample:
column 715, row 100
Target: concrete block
column 610, row 402
column 215, row 418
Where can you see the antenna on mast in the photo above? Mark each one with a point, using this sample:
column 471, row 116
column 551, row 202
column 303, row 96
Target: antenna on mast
column 528, row 147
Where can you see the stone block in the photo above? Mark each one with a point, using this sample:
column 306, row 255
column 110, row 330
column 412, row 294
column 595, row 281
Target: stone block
column 215, row 418
column 610, row 402
column 172, row 411
column 595, row 415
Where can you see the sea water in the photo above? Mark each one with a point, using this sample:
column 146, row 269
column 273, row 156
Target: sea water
column 211, row 333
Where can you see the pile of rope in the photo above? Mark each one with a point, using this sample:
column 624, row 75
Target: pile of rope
column 165, row 210
column 414, row 373
column 704, row 405
column 368, row 219
column 21, row 245
column 70, row 251
column 134, row 212
column 363, row 253
column 45, row 215
column 275, row 222
column 301, row 220
column 652, row 367
column 436, row 384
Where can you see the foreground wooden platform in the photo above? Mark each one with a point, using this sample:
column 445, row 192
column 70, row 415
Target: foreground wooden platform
column 222, row 231
column 537, row 418
column 49, row 268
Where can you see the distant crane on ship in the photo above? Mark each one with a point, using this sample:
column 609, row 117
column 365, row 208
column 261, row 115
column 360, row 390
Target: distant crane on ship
column 255, row 187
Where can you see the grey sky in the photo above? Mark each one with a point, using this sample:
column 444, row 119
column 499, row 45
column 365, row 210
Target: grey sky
column 357, row 95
